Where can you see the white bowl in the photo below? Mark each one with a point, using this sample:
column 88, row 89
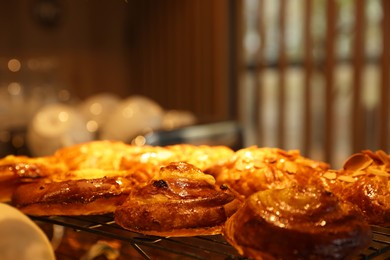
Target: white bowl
column 56, row 126
column 133, row 116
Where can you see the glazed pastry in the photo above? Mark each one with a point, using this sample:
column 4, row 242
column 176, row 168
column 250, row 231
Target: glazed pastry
column 364, row 180
column 88, row 169
column 104, row 155
column 201, row 156
column 297, row 223
column 180, row 201
column 80, row 192
column 254, row 169
column 89, row 173
column 72, row 197
column 15, row 170
column 63, row 165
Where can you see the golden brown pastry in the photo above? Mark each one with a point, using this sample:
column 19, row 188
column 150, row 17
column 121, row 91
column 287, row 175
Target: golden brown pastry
column 297, row 223
column 180, row 201
column 80, row 192
column 63, row 165
column 72, row 197
column 364, row 180
column 87, row 164
column 15, row 170
column 104, row 155
column 83, row 179
column 201, row 156
column 254, row 169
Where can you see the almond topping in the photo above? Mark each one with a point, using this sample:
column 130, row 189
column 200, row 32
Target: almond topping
column 346, row 178
column 383, row 156
column 358, row 173
column 378, row 172
column 291, row 167
column 242, row 165
column 357, row 162
column 330, row 175
column 259, row 164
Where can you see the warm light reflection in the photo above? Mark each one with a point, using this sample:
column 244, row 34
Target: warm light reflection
column 14, row 88
column 92, row 126
column 63, row 116
column 14, row 65
column 64, row 95
column 33, row 64
column 96, row 109
column 139, row 140
column 128, row 112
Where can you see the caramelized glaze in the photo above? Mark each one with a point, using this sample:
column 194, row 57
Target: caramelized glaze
column 69, row 195
column 254, row 169
column 297, row 223
column 364, row 180
column 180, row 201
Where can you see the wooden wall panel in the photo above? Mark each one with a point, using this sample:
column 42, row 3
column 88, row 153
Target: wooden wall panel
column 175, row 51
column 180, row 55
column 384, row 112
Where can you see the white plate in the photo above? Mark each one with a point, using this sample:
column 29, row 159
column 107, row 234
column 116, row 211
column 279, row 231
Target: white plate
column 21, row 238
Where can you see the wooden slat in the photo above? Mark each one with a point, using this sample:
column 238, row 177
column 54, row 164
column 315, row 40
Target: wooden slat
column 197, row 51
column 385, row 82
column 259, row 67
column 239, row 66
column 358, row 133
column 220, row 97
column 308, row 60
column 178, row 55
column 207, row 66
column 235, row 52
column 282, row 74
column 331, row 17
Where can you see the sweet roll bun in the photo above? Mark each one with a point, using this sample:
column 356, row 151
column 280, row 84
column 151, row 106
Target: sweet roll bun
column 364, row 180
column 180, row 201
column 297, row 223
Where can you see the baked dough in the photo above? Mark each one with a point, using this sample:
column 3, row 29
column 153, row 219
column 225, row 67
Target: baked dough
column 297, row 223
column 180, row 201
column 364, row 180
column 15, row 170
column 93, row 177
column 254, row 169
column 72, row 197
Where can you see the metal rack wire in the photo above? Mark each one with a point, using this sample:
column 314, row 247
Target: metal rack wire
column 200, row 247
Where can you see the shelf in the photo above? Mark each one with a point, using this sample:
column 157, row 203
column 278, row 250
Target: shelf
column 199, row 247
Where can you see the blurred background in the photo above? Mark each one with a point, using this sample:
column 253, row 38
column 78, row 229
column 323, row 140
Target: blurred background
column 294, row 74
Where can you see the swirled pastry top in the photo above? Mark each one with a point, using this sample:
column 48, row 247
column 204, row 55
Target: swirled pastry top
column 180, row 201
column 297, row 223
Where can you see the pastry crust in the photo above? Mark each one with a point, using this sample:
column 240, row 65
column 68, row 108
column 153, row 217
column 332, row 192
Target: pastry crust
column 201, row 156
column 72, row 197
column 297, row 223
column 255, row 169
column 180, row 201
column 364, row 180
column 94, row 162
column 15, row 170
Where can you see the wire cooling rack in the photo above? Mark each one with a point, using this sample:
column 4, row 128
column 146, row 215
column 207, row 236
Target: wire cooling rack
column 199, row 247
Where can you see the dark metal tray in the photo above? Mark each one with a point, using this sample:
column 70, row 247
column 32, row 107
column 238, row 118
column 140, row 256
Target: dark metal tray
column 200, row 247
